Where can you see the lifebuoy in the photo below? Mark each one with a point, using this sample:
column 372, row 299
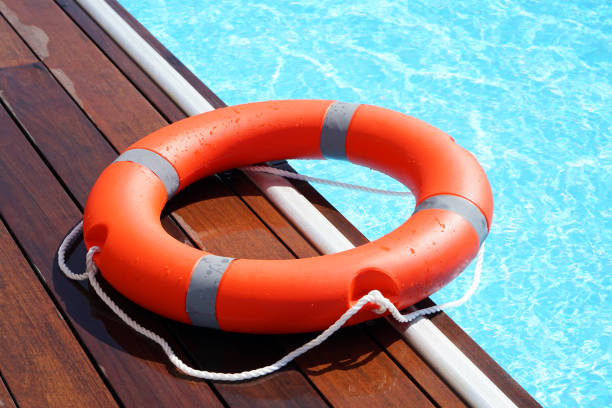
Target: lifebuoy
column 144, row 263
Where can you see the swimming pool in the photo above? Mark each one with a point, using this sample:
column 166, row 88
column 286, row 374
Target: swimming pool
column 524, row 85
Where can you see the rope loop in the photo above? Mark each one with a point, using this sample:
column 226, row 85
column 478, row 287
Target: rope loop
column 373, row 297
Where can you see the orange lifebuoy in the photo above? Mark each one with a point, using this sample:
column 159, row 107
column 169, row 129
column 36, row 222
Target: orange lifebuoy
column 144, row 263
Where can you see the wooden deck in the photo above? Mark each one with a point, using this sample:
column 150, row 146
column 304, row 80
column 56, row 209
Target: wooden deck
column 70, row 100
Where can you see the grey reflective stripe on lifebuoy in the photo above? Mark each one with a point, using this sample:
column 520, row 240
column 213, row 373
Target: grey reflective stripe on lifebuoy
column 157, row 164
column 461, row 206
column 333, row 132
column 202, row 292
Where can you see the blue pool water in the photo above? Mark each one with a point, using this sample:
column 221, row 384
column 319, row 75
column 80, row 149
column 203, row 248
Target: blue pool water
column 524, row 85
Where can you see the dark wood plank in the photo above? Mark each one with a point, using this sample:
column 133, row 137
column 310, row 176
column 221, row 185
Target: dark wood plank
column 422, row 374
column 42, row 361
column 231, row 352
column 28, row 89
column 128, row 67
column 269, row 215
column 135, row 368
column 6, row 400
column 65, row 51
column 351, row 370
column 218, row 221
column 12, row 53
column 291, row 381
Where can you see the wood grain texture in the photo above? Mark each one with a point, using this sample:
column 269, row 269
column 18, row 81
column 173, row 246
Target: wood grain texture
column 269, row 215
column 47, row 366
column 351, row 370
column 12, row 53
column 296, row 385
column 28, row 90
column 66, row 51
column 213, row 350
column 139, row 374
column 422, row 374
column 219, row 222
column 127, row 66
column 6, row 400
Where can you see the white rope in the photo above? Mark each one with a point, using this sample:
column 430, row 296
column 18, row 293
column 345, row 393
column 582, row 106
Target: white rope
column 61, row 252
column 374, row 296
column 288, row 174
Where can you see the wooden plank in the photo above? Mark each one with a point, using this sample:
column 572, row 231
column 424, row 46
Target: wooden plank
column 351, row 370
column 420, row 371
column 12, row 53
column 128, row 67
column 47, row 366
column 6, row 400
column 135, row 368
column 291, row 381
column 269, row 215
column 29, row 89
column 218, row 221
column 218, row 351
column 65, row 50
